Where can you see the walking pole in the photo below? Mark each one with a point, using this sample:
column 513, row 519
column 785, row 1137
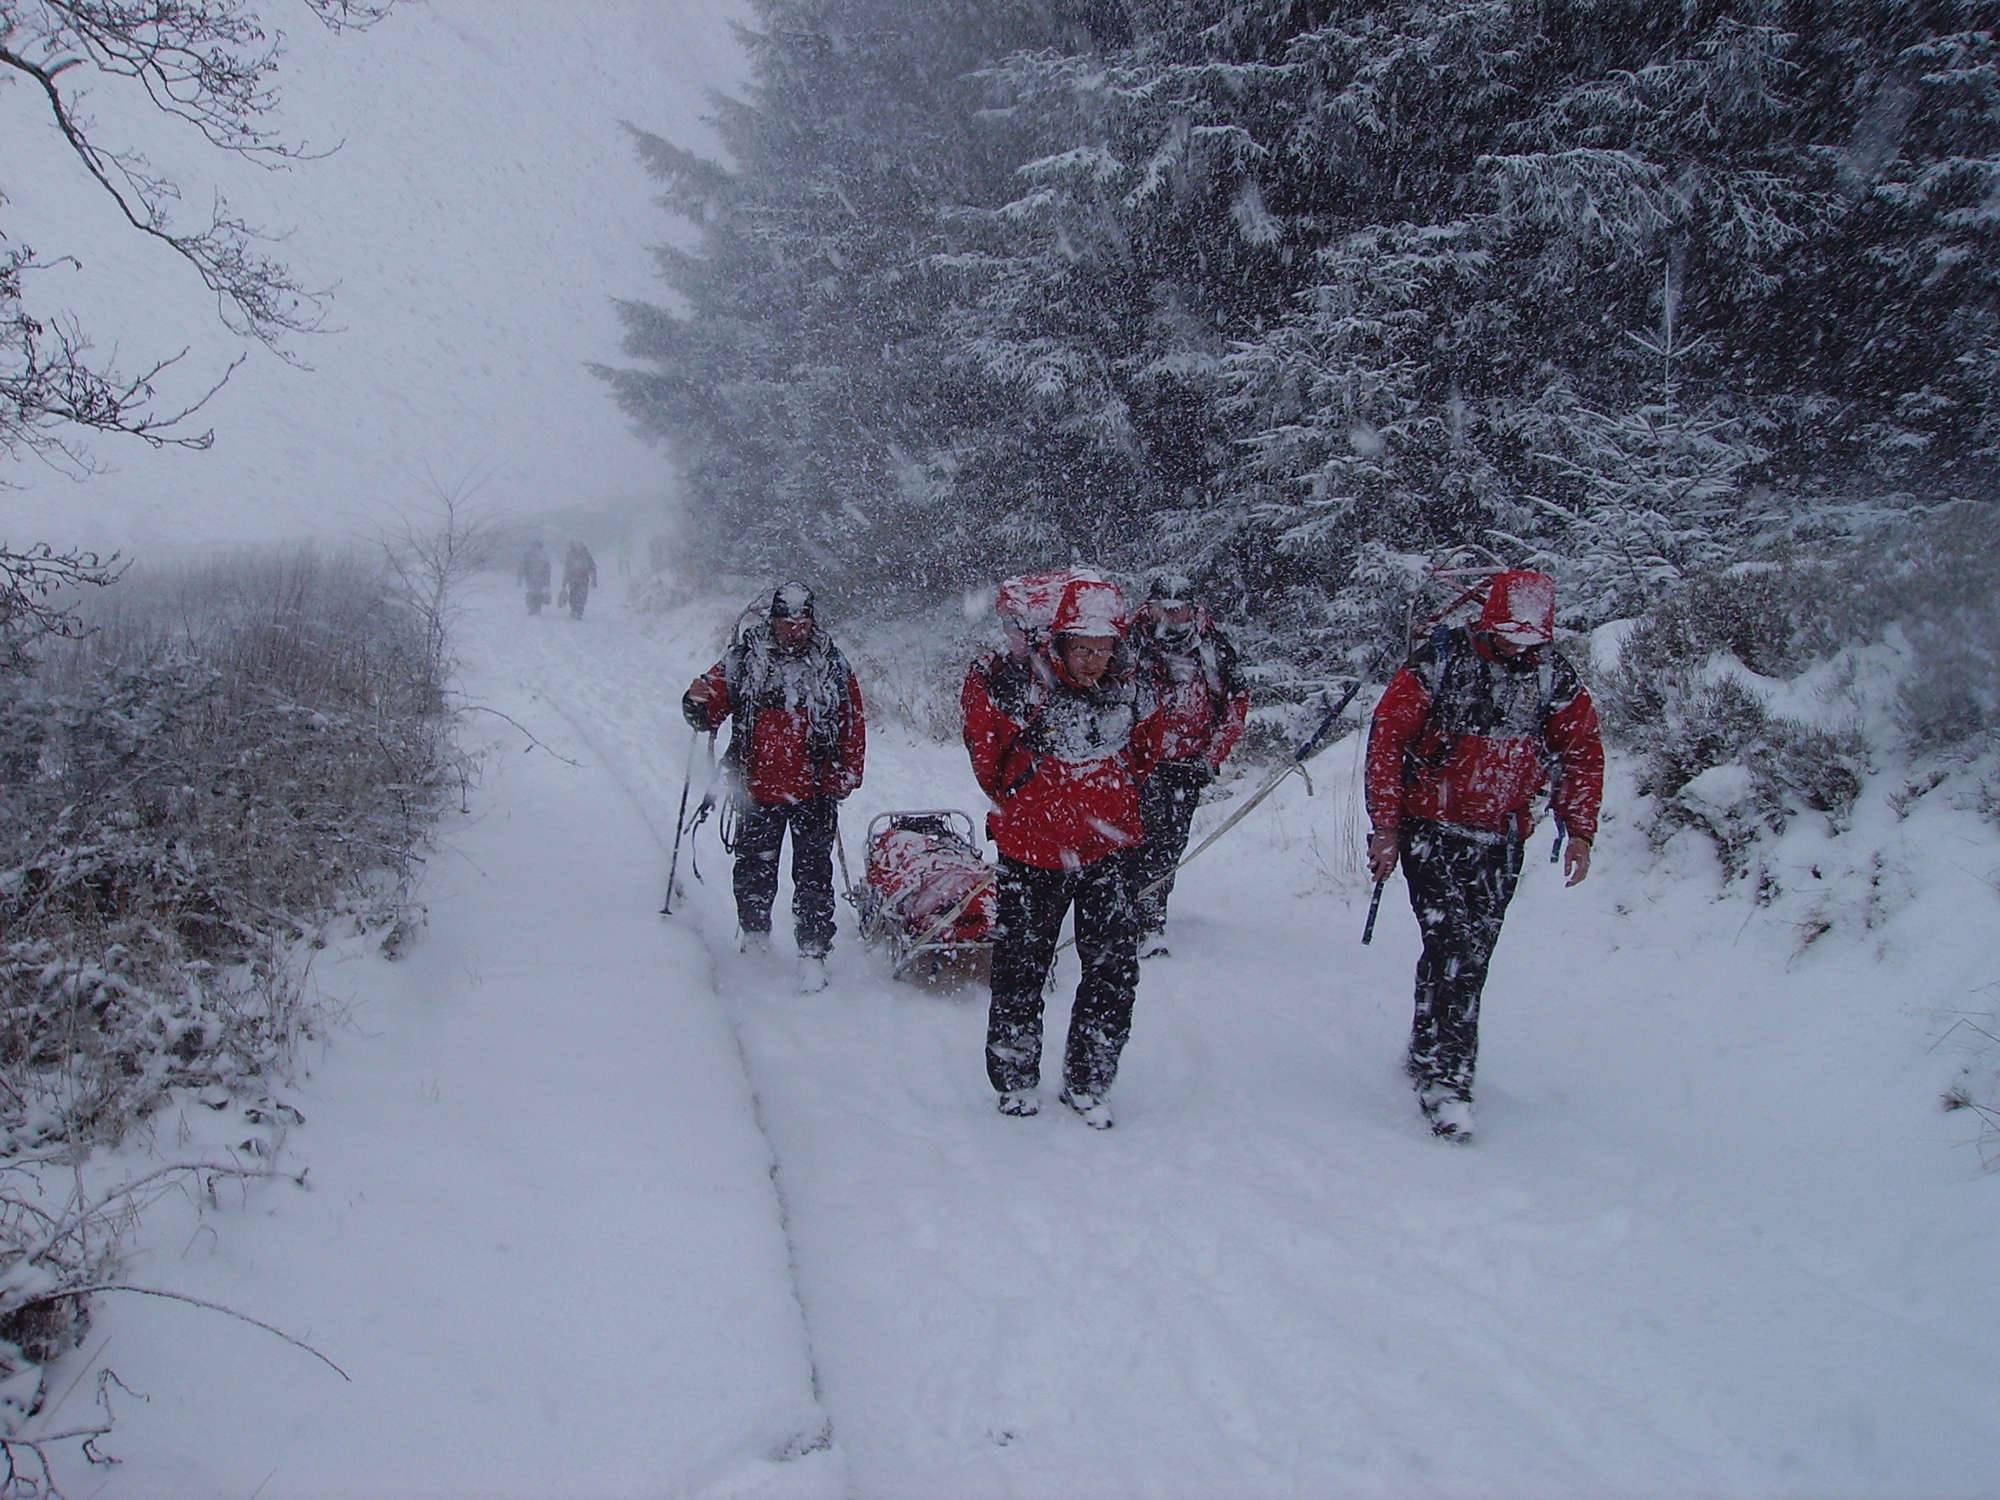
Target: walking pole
column 1374, row 906
column 840, row 847
column 680, row 828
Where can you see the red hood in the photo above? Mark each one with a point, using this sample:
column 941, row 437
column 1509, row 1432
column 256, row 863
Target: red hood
column 1521, row 607
column 1091, row 607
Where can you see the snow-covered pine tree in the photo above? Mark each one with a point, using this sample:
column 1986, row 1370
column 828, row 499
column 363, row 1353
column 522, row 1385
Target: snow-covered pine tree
column 1649, row 496
column 1513, row 178
column 1291, row 290
column 1100, row 301
column 798, row 381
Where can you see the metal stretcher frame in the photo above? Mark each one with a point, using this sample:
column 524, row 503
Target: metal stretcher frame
column 922, row 956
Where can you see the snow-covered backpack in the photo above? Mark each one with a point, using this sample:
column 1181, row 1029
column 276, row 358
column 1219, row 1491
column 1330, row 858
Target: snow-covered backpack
column 1460, row 682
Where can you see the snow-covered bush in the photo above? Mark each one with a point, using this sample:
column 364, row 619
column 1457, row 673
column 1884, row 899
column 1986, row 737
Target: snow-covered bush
column 1690, row 687
column 1949, row 571
column 913, row 668
column 1975, row 1034
column 235, row 758
column 237, row 762
column 1715, row 758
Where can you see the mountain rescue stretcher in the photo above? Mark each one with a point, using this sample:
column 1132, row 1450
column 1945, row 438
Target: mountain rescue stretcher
column 929, row 894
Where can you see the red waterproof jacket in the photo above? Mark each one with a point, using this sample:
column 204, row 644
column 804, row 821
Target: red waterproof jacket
column 1062, row 763
column 1203, row 700
column 1462, row 736
column 799, row 728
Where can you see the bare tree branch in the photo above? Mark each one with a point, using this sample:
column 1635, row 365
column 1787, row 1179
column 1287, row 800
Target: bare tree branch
column 209, row 64
column 241, row 1317
column 49, row 388
column 266, row 302
column 31, row 583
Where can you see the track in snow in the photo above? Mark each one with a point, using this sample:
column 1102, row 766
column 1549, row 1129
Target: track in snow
column 1694, row 1252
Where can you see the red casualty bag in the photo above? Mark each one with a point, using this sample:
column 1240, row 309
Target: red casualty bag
column 921, row 866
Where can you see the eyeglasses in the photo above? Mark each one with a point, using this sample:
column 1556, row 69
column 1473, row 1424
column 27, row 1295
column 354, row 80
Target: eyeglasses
column 1091, row 651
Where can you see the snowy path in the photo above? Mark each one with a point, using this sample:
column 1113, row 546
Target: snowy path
column 540, row 1234
column 1676, row 1265
column 1715, row 1240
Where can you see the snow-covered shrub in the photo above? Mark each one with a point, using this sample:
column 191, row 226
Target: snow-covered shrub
column 1692, row 680
column 1948, row 600
column 913, row 668
column 1976, row 1034
column 1716, row 759
column 1775, row 618
column 238, row 761
column 236, row 758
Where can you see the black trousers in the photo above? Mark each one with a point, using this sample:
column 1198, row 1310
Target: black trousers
column 1459, row 889
column 758, row 835
column 1032, row 904
column 1166, row 804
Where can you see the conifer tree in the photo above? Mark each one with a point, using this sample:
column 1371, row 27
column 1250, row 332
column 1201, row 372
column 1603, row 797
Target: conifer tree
column 1292, row 292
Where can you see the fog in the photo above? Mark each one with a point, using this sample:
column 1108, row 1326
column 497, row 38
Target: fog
column 482, row 211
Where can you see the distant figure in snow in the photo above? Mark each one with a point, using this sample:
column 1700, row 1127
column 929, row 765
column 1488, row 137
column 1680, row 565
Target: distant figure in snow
column 1061, row 736
column 798, row 737
column 579, row 577
column 1191, row 671
column 1461, row 743
column 534, row 574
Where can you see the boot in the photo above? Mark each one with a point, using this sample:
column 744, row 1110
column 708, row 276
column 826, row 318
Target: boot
column 1092, row 1110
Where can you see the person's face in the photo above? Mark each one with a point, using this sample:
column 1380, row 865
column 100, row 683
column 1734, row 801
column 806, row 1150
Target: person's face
column 1175, row 615
column 792, row 633
column 1085, row 657
column 1507, row 650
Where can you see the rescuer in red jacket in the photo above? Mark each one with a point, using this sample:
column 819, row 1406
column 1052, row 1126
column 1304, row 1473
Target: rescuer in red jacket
column 797, row 742
column 1190, row 668
column 1061, row 737
column 1462, row 741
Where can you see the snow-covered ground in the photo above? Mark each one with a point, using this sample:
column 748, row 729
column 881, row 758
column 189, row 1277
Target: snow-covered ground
column 1716, row 1239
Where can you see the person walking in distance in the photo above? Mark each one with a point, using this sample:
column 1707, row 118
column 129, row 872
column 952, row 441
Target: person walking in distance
column 534, row 576
column 1462, row 741
column 798, row 737
column 579, row 578
column 1061, row 738
column 1191, row 671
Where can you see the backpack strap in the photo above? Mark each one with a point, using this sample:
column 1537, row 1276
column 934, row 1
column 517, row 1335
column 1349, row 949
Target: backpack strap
column 1032, row 704
column 1441, row 652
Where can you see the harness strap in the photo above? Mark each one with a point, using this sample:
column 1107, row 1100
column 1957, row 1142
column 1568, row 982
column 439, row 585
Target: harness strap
column 1443, row 645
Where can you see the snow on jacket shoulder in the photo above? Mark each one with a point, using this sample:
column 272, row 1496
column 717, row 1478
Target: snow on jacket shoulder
column 798, row 726
column 1463, row 737
column 1062, row 763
